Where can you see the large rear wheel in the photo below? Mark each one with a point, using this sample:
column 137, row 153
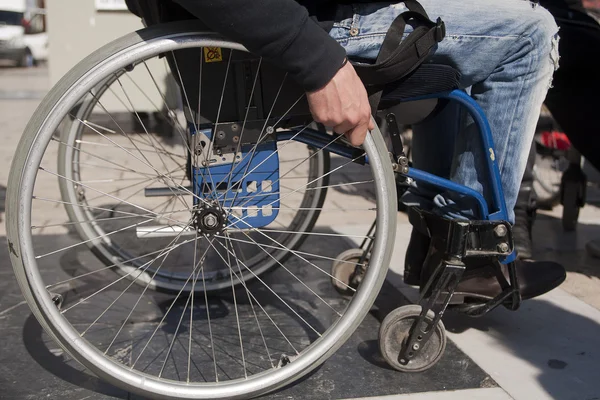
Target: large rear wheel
column 149, row 201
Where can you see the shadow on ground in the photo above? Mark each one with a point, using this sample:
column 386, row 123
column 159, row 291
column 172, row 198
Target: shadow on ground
column 38, row 367
column 566, row 248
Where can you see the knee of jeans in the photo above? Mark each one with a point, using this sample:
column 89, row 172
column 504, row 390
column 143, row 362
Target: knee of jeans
column 545, row 35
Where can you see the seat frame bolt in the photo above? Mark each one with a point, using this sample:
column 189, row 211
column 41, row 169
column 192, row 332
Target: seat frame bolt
column 500, row 231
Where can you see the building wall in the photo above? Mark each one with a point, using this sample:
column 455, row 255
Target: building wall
column 76, row 29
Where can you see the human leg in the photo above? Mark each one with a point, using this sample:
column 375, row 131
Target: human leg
column 507, row 63
column 506, row 52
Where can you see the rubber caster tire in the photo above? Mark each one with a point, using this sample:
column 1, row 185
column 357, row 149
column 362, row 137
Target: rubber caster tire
column 395, row 331
column 571, row 204
column 343, row 268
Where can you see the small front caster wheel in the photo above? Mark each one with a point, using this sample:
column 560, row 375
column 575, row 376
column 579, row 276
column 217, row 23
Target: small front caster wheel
column 394, row 334
column 346, row 274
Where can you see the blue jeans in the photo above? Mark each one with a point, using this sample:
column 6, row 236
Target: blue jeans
column 506, row 51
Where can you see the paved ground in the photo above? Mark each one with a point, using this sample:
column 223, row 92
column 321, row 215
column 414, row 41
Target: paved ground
column 548, row 349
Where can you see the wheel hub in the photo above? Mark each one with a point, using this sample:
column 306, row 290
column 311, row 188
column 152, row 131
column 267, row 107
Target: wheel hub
column 210, row 221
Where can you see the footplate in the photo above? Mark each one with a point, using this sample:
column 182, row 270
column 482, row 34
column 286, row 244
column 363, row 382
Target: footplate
column 244, row 182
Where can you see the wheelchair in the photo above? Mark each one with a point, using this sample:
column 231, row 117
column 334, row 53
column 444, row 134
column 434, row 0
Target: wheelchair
column 195, row 258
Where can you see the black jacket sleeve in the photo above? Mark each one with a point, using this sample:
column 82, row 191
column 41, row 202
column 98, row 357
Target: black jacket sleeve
column 279, row 30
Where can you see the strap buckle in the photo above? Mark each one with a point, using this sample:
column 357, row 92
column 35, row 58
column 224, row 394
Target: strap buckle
column 440, row 30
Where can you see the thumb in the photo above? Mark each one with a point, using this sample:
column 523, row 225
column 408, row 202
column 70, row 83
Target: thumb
column 371, row 125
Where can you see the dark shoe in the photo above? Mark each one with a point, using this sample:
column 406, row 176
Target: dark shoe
column 535, row 278
column 416, row 253
column 522, row 235
column 524, row 218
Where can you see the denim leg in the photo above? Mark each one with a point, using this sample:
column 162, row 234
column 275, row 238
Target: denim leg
column 437, row 159
column 506, row 52
column 443, row 129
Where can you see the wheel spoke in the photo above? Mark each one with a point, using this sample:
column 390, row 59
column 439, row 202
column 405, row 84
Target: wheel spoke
column 297, row 253
column 103, row 159
column 164, row 258
column 199, row 264
column 260, row 137
column 206, row 158
column 154, row 150
column 274, row 293
column 212, row 342
column 240, row 141
column 300, row 188
column 112, row 266
column 145, row 162
column 251, row 304
column 194, row 279
column 300, row 163
column 263, row 136
column 148, row 135
column 103, row 219
column 94, row 238
column 243, row 283
column 237, row 316
column 162, row 252
column 106, row 194
column 291, row 273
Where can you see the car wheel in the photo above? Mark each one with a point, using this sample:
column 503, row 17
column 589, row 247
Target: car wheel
column 26, row 60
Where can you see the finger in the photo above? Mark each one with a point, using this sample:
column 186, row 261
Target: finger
column 344, row 127
column 371, row 124
column 357, row 135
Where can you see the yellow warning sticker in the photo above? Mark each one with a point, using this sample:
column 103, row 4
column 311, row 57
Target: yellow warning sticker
column 213, row 54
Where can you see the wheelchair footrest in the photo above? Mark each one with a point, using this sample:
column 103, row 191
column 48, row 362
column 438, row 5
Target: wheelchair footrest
column 455, row 242
column 465, row 238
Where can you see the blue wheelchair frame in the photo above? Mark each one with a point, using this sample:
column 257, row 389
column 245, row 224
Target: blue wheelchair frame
column 495, row 212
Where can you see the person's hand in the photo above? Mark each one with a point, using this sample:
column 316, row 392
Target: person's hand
column 343, row 105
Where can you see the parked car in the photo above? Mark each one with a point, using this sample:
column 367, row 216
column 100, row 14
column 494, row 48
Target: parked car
column 23, row 37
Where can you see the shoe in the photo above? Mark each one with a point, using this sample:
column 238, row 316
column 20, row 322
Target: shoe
column 416, row 253
column 535, row 278
column 524, row 217
column 522, row 235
